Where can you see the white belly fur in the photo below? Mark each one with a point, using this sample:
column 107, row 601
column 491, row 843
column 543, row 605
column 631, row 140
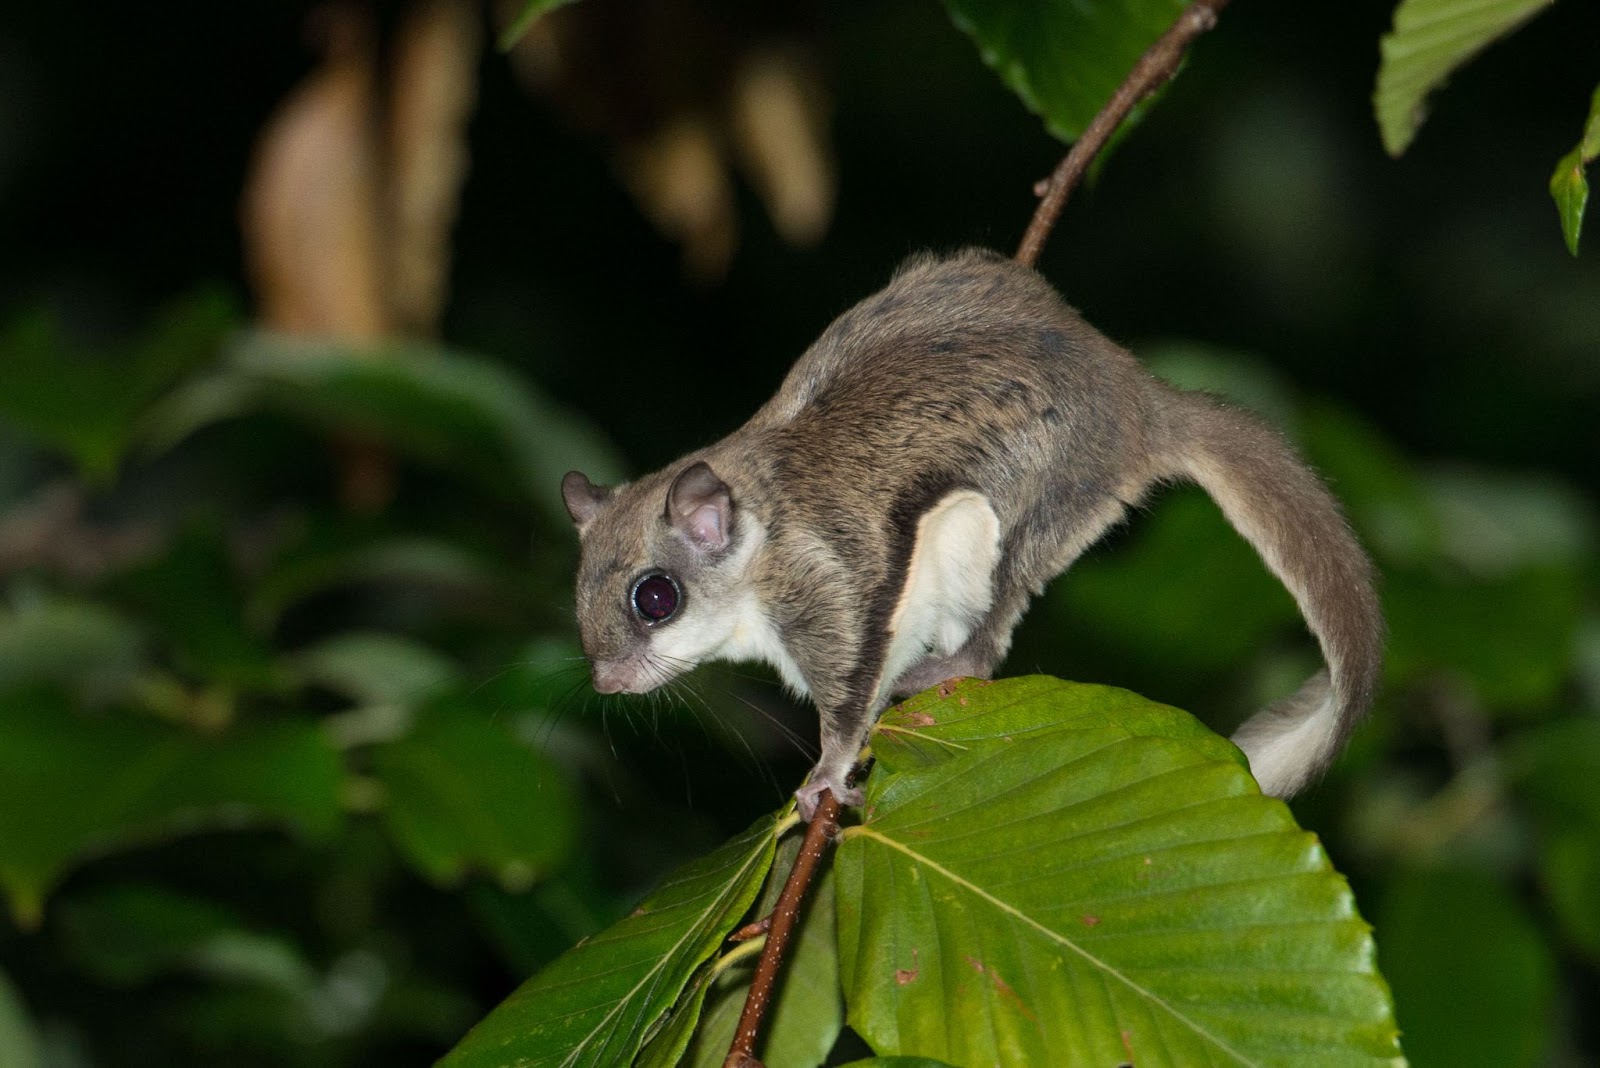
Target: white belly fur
column 949, row 583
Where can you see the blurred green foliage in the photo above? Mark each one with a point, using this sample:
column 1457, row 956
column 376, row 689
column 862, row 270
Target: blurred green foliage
column 285, row 781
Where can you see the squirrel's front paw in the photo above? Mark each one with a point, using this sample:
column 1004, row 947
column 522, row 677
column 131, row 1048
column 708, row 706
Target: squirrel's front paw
column 809, row 796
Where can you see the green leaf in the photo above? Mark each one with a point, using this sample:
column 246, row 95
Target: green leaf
column 1569, row 868
column 432, row 563
column 438, row 405
column 377, row 668
column 1473, row 980
column 1570, row 190
column 87, row 403
column 127, row 934
column 808, row 1014
column 1430, row 39
column 669, row 1047
column 463, row 795
column 1554, row 770
column 973, row 714
column 1568, row 185
column 1375, row 483
column 1495, row 523
column 1510, row 639
column 529, row 930
column 1089, row 895
column 725, row 982
column 1160, row 593
column 600, row 1002
column 191, row 598
column 1063, row 60
column 72, row 788
column 19, row 1040
column 1246, row 381
column 531, row 10
column 897, row 1062
column 77, row 644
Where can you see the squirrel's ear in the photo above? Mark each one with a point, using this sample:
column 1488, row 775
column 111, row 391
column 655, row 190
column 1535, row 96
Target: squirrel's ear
column 700, row 508
column 583, row 498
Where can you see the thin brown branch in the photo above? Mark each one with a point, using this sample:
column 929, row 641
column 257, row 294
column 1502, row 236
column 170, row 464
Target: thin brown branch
column 1154, row 69
column 824, row 825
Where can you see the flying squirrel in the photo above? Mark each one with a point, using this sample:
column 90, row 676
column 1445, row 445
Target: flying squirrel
column 942, row 451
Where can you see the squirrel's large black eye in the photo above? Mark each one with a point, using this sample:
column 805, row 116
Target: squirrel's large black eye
column 655, row 597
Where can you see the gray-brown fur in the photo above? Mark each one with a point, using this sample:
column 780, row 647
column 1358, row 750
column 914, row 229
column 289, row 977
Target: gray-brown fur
column 965, row 372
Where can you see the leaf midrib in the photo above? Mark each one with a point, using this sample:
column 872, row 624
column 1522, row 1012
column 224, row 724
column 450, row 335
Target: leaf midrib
column 862, row 831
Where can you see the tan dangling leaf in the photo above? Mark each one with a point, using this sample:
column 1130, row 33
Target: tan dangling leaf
column 679, row 180
column 680, row 91
column 434, row 88
column 780, row 119
column 309, row 212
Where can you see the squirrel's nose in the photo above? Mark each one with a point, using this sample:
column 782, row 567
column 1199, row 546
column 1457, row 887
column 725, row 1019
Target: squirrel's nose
column 610, row 678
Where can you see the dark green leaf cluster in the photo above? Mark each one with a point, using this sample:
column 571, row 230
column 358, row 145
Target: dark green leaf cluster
column 238, row 717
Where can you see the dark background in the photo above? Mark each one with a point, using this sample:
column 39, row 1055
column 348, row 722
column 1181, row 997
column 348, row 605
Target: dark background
column 1429, row 300
column 1255, row 209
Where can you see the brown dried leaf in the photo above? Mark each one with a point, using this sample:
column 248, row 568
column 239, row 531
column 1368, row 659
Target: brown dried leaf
column 681, row 185
column 779, row 118
column 680, row 87
column 434, row 83
column 309, row 208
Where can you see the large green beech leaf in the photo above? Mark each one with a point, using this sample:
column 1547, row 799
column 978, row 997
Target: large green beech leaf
column 969, row 714
column 1097, row 893
column 72, row 787
column 462, row 794
column 1568, row 186
column 601, row 1001
column 1063, row 60
column 437, row 404
column 1430, row 39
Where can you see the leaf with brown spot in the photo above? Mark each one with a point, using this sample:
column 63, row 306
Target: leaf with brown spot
column 1109, row 879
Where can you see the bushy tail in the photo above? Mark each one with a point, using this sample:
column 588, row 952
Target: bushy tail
column 1286, row 513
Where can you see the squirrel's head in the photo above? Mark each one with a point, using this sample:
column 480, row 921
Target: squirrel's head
column 664, row 561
